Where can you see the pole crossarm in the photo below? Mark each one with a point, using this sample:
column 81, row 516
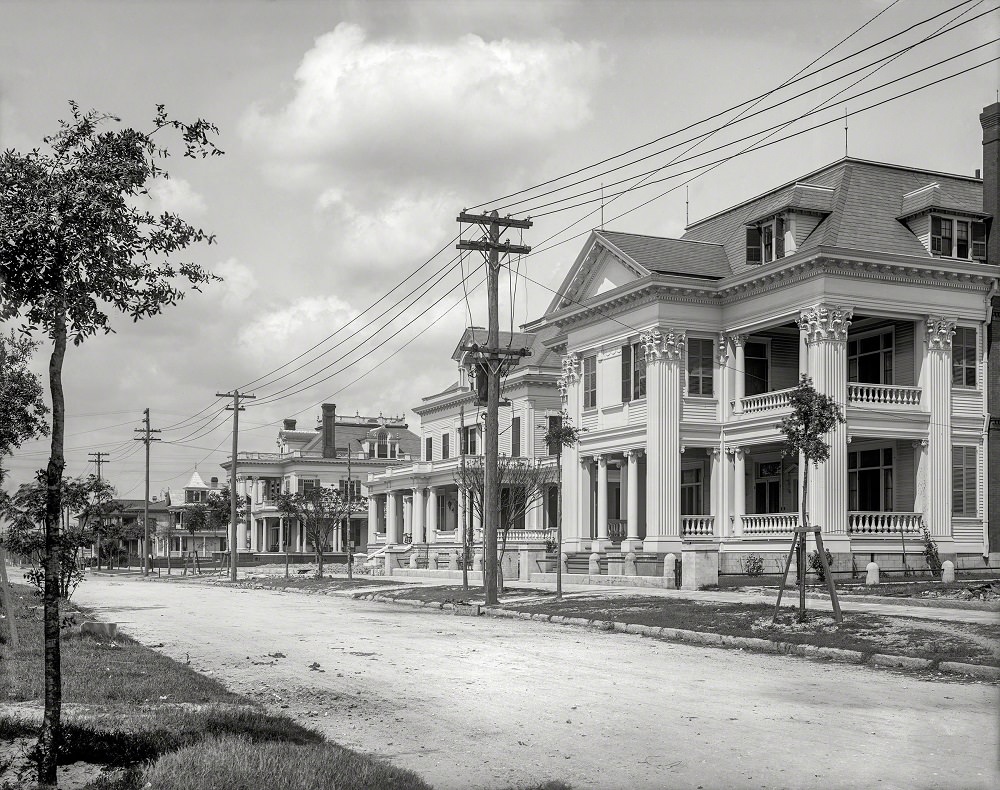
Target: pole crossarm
column 504, row 247
column 486, row 219
column 501, row 351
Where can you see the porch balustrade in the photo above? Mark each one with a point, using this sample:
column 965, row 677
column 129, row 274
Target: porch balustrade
column 697, row 526
column 529, row 535
column 766, row 401
column 770, row 523
column 876, row 523
column 883, row 394
column 617, row 529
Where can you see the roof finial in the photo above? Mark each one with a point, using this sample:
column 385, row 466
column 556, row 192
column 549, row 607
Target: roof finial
column 845, row 131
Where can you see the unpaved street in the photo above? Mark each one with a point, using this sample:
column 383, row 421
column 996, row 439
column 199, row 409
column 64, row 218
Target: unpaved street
column 491, row 703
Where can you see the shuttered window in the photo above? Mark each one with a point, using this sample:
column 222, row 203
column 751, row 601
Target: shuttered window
column 964, row 352
column 515, row 437
column 963, row 482
column 779, row 237
column 979, row 241
column 626, row 373
column 638, row 372
column 555, row 422
column 589, row 382
column 445, row 449
column 428, row 449
column 753, row 245
column 941, row 236
column 700, row 366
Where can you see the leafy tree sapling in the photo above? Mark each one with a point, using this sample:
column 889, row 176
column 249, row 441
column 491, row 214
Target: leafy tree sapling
column 320, row 510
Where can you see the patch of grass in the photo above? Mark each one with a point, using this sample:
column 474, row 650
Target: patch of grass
column 453, row 593
column 238, row 762
column 312, row 583
column 96, row 670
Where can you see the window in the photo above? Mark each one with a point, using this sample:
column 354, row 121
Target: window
column 428, row 449
column 351, row 492
column 469, row 440
column 869, row 359
column 958, row 238
column 382, row 444
column 963, row 482
column 552, row 507
column 589, row 382
column 305, row 486
column 869, row 480
column 964, row 353
column 757, row 366
column 555, row 423
column 515, row 437
column 194, row 496
column 633, row 372
column 766, row 241
column 701, row 364
column 445, row 449
column 767, row 488
column 222, row 544
column 692, row 491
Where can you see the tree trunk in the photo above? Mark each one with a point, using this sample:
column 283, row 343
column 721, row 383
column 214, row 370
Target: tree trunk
column 802, row 542
column 51, row 732
column 319, row 556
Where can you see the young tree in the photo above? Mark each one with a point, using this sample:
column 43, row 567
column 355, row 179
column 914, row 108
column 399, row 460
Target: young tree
column 77, row 244
column 525, row 487
column 320, row 511
column 813, row 416
column 561, row 434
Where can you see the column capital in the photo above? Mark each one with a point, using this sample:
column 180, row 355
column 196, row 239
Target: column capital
column 721, row 349
column 667, row 345
column 738, row 341
column 939, row 333
column 735, row 451
column 715, row 452
column 825, row 322
column 600, row 460
column 919, row 443
column 633, row 453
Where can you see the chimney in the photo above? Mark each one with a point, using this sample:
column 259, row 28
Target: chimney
column 215, row 482
column 329, row 430
column 990, row 119
column 288, row 425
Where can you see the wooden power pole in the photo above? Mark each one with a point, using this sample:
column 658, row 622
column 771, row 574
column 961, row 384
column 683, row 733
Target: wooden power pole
column 494, row 359
column 146, row 438
column 235, row 408
column 99, row 460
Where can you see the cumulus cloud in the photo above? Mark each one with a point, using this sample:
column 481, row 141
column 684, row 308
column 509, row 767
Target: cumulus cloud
column 285, row 331
column 176, row 195
column 412, row 109
column 238, row 283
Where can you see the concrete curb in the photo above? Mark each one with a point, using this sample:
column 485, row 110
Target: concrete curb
column 709, row 639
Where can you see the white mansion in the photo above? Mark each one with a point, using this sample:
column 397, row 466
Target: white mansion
column 677, row 356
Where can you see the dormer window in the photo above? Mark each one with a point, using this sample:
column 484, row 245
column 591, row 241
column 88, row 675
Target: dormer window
column 766, row 241
column 952, row 237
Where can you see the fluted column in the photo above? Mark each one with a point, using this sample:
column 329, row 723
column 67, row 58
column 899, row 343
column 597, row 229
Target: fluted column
column 935, row 381
column 664, row 358
column 432, row 514
column 739, row 488
column 575, row 520
column 631, row 470
column 602, row 541
column 392, row 514
column 715, row 506
column 825, row 327
column 740, row 373
column 585, row 506
column 418, row 512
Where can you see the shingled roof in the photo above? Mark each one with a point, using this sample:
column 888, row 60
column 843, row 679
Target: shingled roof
column 687, row 258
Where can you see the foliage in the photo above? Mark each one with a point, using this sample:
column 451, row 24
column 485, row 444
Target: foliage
column 753, row 565
column 551, row 544
column 562, row 434
column 816, row 565
column 77, row 243
column 813, row 416
column 22, row 411
column 931, row 552
column 320, row 510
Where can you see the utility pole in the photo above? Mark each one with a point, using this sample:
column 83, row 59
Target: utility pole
column 468, row 505
column 146, row 438
column 494, row 358
column 234, row 550
column 347, row 535
column 99, row 461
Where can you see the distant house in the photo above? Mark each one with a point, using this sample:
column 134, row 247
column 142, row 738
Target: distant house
column 341, row 451
column 126, row 520
column 182, row 542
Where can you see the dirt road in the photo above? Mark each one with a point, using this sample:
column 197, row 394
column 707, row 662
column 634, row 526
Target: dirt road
column 492, row 703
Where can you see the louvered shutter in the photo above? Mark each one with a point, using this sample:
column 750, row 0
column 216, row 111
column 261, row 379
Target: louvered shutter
column 779, row 237
column 626, row 373
column 970, row 482
column 753, row 245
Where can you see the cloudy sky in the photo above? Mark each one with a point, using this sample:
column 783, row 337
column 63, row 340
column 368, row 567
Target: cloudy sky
column 354, row 132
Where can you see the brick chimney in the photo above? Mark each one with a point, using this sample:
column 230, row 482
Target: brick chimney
column 990, row 119
column 288, row 425
column 329, row 430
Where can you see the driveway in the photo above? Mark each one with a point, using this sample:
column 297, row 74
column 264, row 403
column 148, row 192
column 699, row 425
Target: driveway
column 483, row 702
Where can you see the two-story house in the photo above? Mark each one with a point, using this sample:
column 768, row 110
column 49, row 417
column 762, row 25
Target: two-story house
column 341, row 451
column 422, row 505
column 678, row 357
column 176, row 535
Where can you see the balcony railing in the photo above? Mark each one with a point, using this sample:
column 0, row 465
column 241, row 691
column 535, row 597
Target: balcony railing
column 617, row 529
column 890, row 394
column 697, row 526
column 770, row 523
column 530, row 535
column 877, row 523
column 766, row 401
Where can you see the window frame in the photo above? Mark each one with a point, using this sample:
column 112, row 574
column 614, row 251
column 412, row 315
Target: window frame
column 965, row 366
column 961, row 467
column 975, row 237
column 694, row 489
column 428, row 448
column 590, row 382
column 857, row 338
column 701, row 378
column 515, row 437
column 553, row 421
column 886, row 486
column 445, row 446
column 766, row 342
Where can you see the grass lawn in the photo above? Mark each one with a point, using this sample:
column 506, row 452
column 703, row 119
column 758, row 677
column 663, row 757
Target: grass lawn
column 867, row 633
column 310, row 582
column 150, row 719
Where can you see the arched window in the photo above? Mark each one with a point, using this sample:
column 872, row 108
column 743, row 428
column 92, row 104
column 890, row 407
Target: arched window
column 383, row 443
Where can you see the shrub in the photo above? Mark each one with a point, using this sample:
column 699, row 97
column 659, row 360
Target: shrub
column 551, row 545
column 817, row 566
column 931, row 552
column 754, row 565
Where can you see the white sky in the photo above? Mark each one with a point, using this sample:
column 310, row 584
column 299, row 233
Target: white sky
column 355, row 131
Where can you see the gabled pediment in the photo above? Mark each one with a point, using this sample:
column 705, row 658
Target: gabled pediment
column 599, row 268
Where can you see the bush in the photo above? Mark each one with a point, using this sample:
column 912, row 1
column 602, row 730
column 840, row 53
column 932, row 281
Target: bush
column 551, row 545
column 817, row 566
column 931, row 553
column 753, row 565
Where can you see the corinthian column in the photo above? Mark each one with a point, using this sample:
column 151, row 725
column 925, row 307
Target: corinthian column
column 664, row 357
column 601, row 542
column 825, row 329
column 632, row 541
column 575, row 520
column 935, row 381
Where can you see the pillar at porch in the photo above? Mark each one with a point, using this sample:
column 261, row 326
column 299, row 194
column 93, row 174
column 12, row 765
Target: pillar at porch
column 631, row 469
column 432, row 514
column 935, row 381
column 739, row 375
column 739, row 488
column 418, row 513
column 392, row 514
column 601, row 542
column 665, row 353
column 575, row 488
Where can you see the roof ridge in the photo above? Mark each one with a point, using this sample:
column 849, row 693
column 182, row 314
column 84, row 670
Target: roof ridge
column 662, row 238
